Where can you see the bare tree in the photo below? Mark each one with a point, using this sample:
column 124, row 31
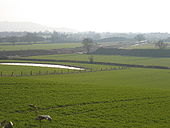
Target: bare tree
column 88, row 44
column 160, row 44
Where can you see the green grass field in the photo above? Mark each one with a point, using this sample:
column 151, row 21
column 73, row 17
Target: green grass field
column 110, row 58
column 133, row 98
column 11, row 70
column 38, row 46
column 8, row 70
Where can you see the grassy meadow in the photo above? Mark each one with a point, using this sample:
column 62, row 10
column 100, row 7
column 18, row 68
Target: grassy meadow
column 35, row 46
column 120, row 99
column 110, row 58
column 11, row 70
column 130, row 98
column 8, row 70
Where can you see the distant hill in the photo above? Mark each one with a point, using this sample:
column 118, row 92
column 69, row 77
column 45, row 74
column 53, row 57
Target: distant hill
column 29, row 27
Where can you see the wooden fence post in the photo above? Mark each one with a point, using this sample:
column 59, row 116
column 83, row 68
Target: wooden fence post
column 12, row 74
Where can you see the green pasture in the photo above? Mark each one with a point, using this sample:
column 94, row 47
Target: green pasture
column 110, row 58
column 18, row 43
column 132, row 98
column 11, row 70
column 35, row 46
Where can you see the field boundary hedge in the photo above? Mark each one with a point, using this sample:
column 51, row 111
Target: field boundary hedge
column 101, row 63
column 165, row 53
column 39, row 73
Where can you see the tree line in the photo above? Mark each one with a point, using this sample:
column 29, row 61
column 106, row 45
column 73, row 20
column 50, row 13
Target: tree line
column 52, row 37
column 58, row 37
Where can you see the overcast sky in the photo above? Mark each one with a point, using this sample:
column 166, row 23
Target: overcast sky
column 91, row 15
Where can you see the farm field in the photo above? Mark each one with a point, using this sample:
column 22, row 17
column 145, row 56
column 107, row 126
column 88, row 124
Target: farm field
column 35, row 46
column 19, row 43
column 110, row 58
column 84, row 64
column 17, row 70
column 121, row 98
column 8, row 70
column 132, row 97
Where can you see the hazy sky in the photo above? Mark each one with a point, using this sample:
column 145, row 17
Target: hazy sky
column 91, row 15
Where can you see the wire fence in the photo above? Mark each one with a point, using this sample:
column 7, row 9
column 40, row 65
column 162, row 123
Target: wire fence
column 56, row 72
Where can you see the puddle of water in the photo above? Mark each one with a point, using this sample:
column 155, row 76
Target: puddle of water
column 42, row 65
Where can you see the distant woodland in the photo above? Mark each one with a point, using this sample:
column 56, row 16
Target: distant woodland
column 59, row 37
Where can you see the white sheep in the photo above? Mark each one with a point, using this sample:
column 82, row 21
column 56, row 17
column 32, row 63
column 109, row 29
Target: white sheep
column 6, row 124
column 44, row 117
column 9, row 125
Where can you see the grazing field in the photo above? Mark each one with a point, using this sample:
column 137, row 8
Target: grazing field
column 11, row 70
column 131, row 98
column 8, row 70
column 134, row 98
column 45, row 46
column 110, row 58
